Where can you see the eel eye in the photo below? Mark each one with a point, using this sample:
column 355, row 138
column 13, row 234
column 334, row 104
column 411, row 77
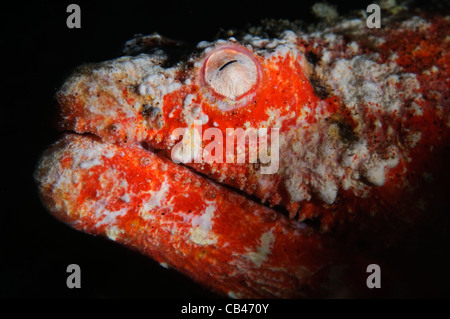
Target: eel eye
column 231, row 71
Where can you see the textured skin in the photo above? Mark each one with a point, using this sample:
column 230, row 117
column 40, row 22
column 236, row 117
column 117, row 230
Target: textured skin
column 168, row 224
column 364, row 126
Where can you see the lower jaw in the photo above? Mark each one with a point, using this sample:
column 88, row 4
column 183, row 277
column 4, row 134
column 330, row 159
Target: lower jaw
column 217, row 237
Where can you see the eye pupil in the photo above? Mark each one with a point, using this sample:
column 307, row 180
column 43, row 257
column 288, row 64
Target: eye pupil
column 230, row 72
column 227, row 64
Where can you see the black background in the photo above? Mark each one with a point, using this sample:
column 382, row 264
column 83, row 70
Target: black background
column 38, row 52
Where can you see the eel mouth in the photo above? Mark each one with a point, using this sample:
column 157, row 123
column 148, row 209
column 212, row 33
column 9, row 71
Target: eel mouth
column 280, row 210
column 330, row 254
column 134, row 196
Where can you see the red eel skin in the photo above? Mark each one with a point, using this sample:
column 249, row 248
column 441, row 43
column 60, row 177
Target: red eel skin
column 298, row 255
column 301, row 259
column 285, row 82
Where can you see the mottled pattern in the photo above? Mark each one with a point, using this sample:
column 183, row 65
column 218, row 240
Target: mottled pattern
column 364, row 122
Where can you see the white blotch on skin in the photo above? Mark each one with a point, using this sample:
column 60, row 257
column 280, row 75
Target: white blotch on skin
column 201, row 227
column 157, row 198
column 263, row 250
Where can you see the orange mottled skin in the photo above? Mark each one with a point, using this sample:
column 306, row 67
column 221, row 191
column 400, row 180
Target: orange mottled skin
column 301, row 257
column 237, row 224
